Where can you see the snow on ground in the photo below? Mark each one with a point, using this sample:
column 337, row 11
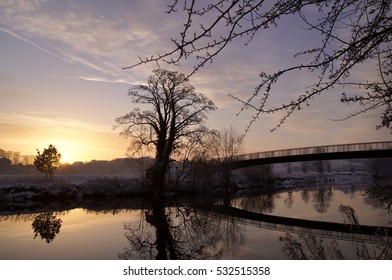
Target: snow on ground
column 18, row 189
column 27, row 191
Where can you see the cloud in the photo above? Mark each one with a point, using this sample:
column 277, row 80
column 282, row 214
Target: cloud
column 106, row 41
column 23, row 6
column 102, row 40
column 106, row 80
column 50, row 120
column 28, row 41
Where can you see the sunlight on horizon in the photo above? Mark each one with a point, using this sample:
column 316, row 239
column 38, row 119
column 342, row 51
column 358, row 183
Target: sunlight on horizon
column 69, row 94
column 71, row 151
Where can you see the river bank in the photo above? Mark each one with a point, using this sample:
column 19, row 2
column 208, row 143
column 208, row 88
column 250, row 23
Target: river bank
column 23, row 193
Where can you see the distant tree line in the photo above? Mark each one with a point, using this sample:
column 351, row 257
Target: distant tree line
column 118, row 166
column 15, row 158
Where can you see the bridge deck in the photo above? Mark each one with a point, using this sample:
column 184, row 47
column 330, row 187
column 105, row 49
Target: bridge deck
column 343, row 151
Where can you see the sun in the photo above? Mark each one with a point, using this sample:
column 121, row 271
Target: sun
column 68, row 151
column 64, row 159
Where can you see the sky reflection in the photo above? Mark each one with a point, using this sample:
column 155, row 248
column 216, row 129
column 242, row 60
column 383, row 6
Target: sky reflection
column 113, row 234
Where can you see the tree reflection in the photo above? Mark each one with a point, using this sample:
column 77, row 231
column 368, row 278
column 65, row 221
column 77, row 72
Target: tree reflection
column 47, row 226
column 179, row 232
column 310, row 247
column 381, row 251
column 379, row 196
column 305, row 196
column 322, row 199
column 349, row 217
column 289, row 201
column 263, row 203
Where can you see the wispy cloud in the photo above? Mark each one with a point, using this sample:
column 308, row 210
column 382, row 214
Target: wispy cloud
column 106, row 80
column 28, row 41
column 90, row 37
column 50, row 120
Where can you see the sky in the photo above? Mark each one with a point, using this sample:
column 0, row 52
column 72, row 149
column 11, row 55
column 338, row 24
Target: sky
column 62, row 82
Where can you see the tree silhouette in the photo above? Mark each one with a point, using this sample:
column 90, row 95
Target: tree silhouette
column 47, row 226
column 47, row 161
column 178, row 114
column 354, row 36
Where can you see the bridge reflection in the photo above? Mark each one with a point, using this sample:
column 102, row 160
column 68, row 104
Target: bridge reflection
column 363, row 233
column 329, row 152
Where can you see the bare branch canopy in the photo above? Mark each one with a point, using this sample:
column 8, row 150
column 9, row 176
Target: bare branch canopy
column 352, row 34
column 175, row 116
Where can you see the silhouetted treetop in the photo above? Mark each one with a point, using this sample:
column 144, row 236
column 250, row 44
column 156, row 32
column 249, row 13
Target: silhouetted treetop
column 47, row 161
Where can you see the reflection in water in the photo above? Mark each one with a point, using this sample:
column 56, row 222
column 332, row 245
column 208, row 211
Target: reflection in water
column 179, row 233
column 168, row 229
column 379, row 196
column 289, row 200
column 305, row 196
column 310, row 247
column 47, row 226
column 349, row 217
column 322, row 199
column 263, row 203
column 381, row 251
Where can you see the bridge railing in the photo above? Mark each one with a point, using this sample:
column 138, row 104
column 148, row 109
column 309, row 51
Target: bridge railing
column 356, row 147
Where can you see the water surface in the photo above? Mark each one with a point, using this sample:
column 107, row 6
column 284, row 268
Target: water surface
column 179, row 228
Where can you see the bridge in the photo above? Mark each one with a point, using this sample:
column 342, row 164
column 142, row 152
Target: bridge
column 330, row 152
column 331, row 230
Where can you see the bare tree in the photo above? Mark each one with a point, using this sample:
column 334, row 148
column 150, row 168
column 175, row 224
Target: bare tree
column 192, row 164
column 177, row 113
column 353, row 34
column 227, row 146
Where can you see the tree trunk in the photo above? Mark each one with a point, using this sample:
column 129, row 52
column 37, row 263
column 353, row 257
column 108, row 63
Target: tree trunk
column 156, row 174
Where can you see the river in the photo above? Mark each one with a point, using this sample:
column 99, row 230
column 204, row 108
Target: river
column 182, row 228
